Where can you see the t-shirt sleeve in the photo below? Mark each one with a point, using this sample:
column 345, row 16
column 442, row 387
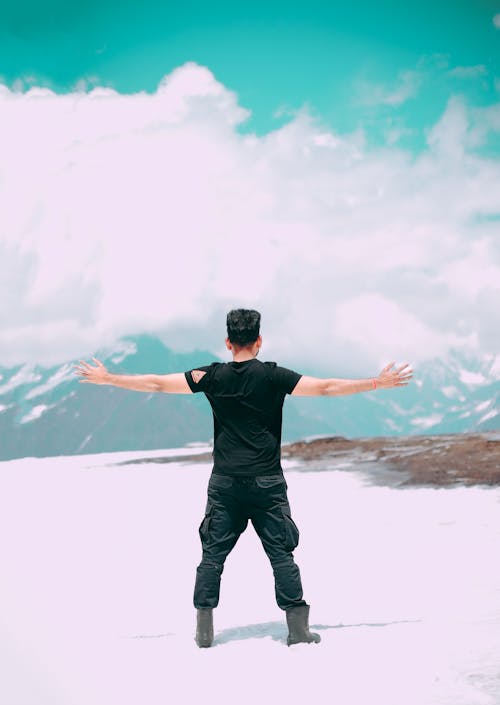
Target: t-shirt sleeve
column 284, row 379
column 199, row 378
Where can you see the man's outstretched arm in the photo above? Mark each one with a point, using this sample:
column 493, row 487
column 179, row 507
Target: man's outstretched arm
column 388, row 378
column 171, row 384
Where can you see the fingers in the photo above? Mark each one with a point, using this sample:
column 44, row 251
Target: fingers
column 401, row 371
column 84, row 370
column 398, row 376
column 86, row 366
column 398, row 369
column 404, row 374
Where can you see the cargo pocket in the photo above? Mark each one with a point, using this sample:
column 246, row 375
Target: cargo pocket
column 204, row 527
column 290, row 529
column 223, row 482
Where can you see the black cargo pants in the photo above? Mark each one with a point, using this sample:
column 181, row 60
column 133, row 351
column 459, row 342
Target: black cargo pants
column 231, row 502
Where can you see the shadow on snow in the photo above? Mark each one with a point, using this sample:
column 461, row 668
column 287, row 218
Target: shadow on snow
column 278, row 630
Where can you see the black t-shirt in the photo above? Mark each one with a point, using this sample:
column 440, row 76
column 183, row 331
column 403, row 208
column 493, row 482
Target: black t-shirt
column 247, row 401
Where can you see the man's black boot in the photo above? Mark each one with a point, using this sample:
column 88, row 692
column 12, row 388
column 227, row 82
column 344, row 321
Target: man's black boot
column 297, row 619
column 204, row 627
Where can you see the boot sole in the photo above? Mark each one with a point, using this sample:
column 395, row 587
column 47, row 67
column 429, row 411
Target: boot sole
column 308, row 641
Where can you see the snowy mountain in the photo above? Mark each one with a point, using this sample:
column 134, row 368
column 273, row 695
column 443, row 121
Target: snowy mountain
column 45, row 411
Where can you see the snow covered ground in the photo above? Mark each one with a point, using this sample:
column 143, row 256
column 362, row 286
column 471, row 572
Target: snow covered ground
column 96, row 579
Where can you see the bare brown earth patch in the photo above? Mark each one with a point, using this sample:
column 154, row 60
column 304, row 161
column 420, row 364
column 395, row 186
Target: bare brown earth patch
column 441, row 460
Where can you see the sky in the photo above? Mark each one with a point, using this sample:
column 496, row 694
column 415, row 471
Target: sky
column 336, row 167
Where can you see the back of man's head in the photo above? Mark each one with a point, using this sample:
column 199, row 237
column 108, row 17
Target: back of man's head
column 243, row 326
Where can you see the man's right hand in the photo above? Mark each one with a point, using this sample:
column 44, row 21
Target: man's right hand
column 92, row 375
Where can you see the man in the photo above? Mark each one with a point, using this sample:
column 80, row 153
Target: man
column 247, row 481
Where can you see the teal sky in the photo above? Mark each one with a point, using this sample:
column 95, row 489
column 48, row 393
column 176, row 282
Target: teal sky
column 344, row 61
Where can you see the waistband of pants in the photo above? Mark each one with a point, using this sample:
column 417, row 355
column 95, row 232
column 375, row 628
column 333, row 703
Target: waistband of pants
column 249, row 476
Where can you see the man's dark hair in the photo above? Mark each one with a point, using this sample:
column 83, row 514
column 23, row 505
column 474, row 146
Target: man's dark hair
column 243, row 326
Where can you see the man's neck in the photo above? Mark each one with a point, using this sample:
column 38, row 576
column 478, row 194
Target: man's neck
column 249, row 352
column 243, row 356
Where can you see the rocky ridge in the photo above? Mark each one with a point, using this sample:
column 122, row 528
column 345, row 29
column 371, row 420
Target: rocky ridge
column 433, row 460
column 440, row 460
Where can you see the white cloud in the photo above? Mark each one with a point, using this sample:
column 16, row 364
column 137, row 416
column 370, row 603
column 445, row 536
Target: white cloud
column 462, row 129
column 393, row 135
column 449, row 135
column 129, row 213
column 372, row 316
column 496, row 20
column 468, row 71
column 403, row 89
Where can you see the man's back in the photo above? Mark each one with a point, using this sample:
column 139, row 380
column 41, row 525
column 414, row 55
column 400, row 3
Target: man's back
column 247, row 399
